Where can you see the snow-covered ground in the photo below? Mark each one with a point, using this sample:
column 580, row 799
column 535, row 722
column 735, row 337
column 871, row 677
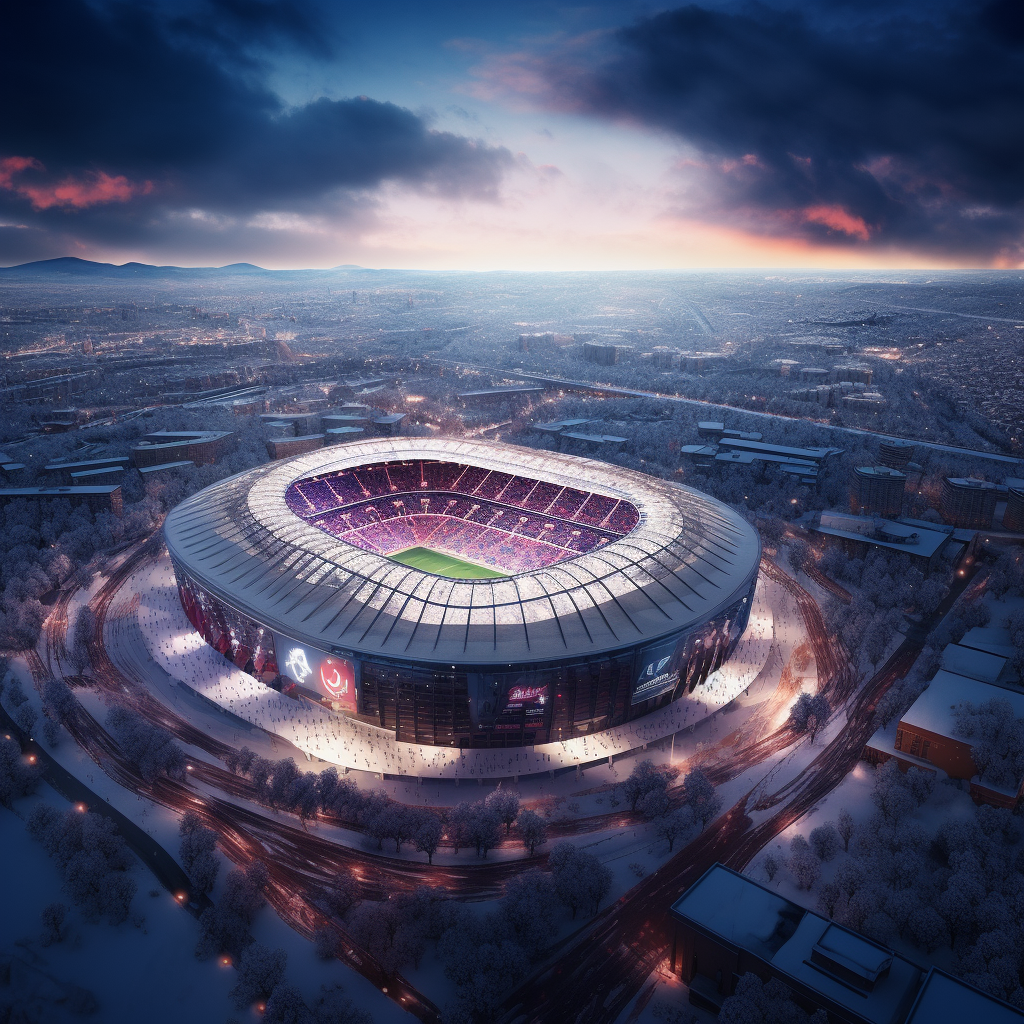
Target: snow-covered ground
column 144, row 969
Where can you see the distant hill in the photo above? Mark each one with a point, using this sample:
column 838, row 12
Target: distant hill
column 72, row 266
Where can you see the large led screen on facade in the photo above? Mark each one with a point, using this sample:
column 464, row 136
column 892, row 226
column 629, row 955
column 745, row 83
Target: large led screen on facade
column 659, row 671
column 330, row 675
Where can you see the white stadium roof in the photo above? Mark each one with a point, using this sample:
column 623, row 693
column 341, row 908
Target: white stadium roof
column 689, row 558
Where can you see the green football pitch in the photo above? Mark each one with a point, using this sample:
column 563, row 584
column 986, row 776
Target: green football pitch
column 443, row 565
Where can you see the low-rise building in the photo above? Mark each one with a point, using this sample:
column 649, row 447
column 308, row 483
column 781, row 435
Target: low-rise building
column 944, row 999
column 592, row 441
column 286, row 447
column 727, row 925
column 991, row 639
column 100, row 475
column 65, row 470
column 712, row 429
column 858, row 534
column 926, row 735
column 203, row 447
column 389, row 425
column 338, row 435
column 98, row 497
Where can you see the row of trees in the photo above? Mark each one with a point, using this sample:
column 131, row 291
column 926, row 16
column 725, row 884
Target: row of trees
column 646, row 789
column 481, row 825
column 150, row 748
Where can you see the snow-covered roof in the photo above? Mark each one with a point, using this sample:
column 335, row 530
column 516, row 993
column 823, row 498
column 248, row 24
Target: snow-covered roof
column 965, row 661
column 801, row 946
column 993, row 639
column 944, row 999
column 888, row 991
column 933, row 710
column 688, row 559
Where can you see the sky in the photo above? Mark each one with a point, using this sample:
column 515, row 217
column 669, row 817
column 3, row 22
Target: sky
column 519, row 135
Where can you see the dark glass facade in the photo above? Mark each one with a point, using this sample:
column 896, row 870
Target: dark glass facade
column 504, row 705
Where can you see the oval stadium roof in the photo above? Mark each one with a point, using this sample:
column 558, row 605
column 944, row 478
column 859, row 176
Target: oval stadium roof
column 688, row 558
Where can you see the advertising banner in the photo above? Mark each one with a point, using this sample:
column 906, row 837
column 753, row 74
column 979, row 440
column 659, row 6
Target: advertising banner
column 659, row 671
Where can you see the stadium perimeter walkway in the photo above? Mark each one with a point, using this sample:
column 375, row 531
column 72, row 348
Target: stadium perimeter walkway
column 174, row 644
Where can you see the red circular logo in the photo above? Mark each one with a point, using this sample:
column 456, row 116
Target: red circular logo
column 336, row 677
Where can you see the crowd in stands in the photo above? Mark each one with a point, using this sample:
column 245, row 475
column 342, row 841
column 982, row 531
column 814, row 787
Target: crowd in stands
column 466, row 511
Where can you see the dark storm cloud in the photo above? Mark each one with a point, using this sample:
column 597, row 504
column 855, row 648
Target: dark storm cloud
column 900, row 130
column 231, row 25
column 118, row 108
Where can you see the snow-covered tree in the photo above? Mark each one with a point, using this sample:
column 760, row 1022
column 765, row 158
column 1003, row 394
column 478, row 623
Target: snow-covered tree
column 803, row 864
column 532, row 829
column 700, row 796
column 825, row 841
column 505, row 802
column 644, row 778
column 260, row 971
column 675, row 825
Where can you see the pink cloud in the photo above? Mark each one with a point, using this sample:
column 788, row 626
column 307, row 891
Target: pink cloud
column 71, row 193
column 837, row 219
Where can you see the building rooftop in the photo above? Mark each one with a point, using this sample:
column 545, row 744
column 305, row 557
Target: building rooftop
column 993, row 639
column 803, row 454
column 88, row 463
column 169, row 438
column 748, row 458
column 897, row 536
column 163, row 466
column 980, row 665
column 944, row 999
column 82, row 475
column 56, row 492
column 495, row 392
column 971, row 483
column 848, row 970
column 881, row 471
column 933, row 710
column 595, row 438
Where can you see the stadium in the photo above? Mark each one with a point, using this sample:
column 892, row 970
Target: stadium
column 463, row 593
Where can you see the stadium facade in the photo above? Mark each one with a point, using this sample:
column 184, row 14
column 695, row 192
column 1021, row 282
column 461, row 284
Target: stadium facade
column 466, row 593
